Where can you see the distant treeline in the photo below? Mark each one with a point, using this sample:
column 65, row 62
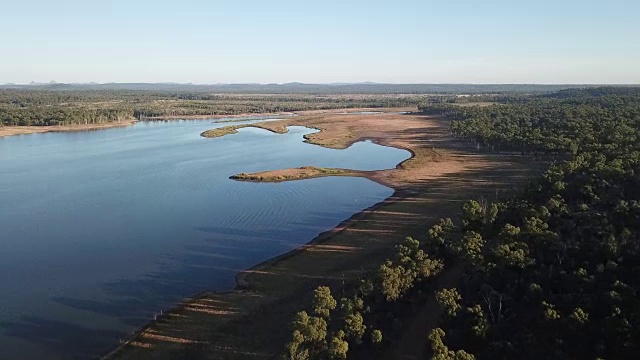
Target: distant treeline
column 29, row 107
column 91, row 104
column 300, row 88
column 570, row 121
column 552, row 273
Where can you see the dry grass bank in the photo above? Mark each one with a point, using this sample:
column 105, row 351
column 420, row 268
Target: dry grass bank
column 277, row 127
column 305, row 172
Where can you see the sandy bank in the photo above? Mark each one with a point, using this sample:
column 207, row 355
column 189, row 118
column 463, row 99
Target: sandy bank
column 23, row 130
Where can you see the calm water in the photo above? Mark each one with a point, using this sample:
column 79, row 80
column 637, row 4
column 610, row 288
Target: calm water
column 100, row 230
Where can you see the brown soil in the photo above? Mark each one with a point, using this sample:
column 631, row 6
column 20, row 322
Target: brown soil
column 22, row 130
column 252, row 322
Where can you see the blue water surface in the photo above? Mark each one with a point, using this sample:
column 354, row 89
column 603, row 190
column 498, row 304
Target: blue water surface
column 99, row 230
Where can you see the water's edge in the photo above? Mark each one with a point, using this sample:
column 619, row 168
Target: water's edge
column 243, row 285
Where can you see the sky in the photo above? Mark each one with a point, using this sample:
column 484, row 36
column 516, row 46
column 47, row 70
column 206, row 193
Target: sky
column 272, row 41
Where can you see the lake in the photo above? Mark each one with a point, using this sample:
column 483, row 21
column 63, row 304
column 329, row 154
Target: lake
column 99, row 230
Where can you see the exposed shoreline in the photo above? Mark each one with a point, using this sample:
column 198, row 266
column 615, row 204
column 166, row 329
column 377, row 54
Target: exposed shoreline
column 292, row 174
column 396, row 196
column 241, row 284
column 25, row 130
column 436, row 161
column 233, row 129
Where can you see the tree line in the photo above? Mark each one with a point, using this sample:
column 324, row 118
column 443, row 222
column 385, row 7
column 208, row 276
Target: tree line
column 27, row 107
column 552, row 272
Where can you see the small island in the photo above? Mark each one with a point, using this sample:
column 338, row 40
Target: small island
column 278, row 128
column 304, row 172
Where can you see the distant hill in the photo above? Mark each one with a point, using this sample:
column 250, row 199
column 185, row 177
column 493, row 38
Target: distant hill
column 337, row 88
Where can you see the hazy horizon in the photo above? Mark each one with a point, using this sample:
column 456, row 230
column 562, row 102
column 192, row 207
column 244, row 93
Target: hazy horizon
column 399, row 42
column 336, row 83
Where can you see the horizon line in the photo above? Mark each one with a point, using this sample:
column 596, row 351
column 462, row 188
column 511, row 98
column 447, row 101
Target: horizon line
column 335, row 83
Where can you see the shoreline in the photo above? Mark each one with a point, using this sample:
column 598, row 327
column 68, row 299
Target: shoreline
column 396, row 196
column 307, row 172
column 242, row 285
column 440, row 173
column 26, row 130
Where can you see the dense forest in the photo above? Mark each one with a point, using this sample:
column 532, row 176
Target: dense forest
column 551, row 273
column 28, row 107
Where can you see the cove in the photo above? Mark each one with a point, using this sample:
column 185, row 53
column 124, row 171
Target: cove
column 99, row 230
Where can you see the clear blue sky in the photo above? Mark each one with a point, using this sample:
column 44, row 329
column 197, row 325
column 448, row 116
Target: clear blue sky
column 398, row 41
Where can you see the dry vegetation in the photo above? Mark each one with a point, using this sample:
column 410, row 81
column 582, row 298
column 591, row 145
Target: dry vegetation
column 305, row 172
column 278, row 128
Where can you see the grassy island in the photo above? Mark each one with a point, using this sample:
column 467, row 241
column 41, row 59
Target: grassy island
column 305, row 172
column 233, row 129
